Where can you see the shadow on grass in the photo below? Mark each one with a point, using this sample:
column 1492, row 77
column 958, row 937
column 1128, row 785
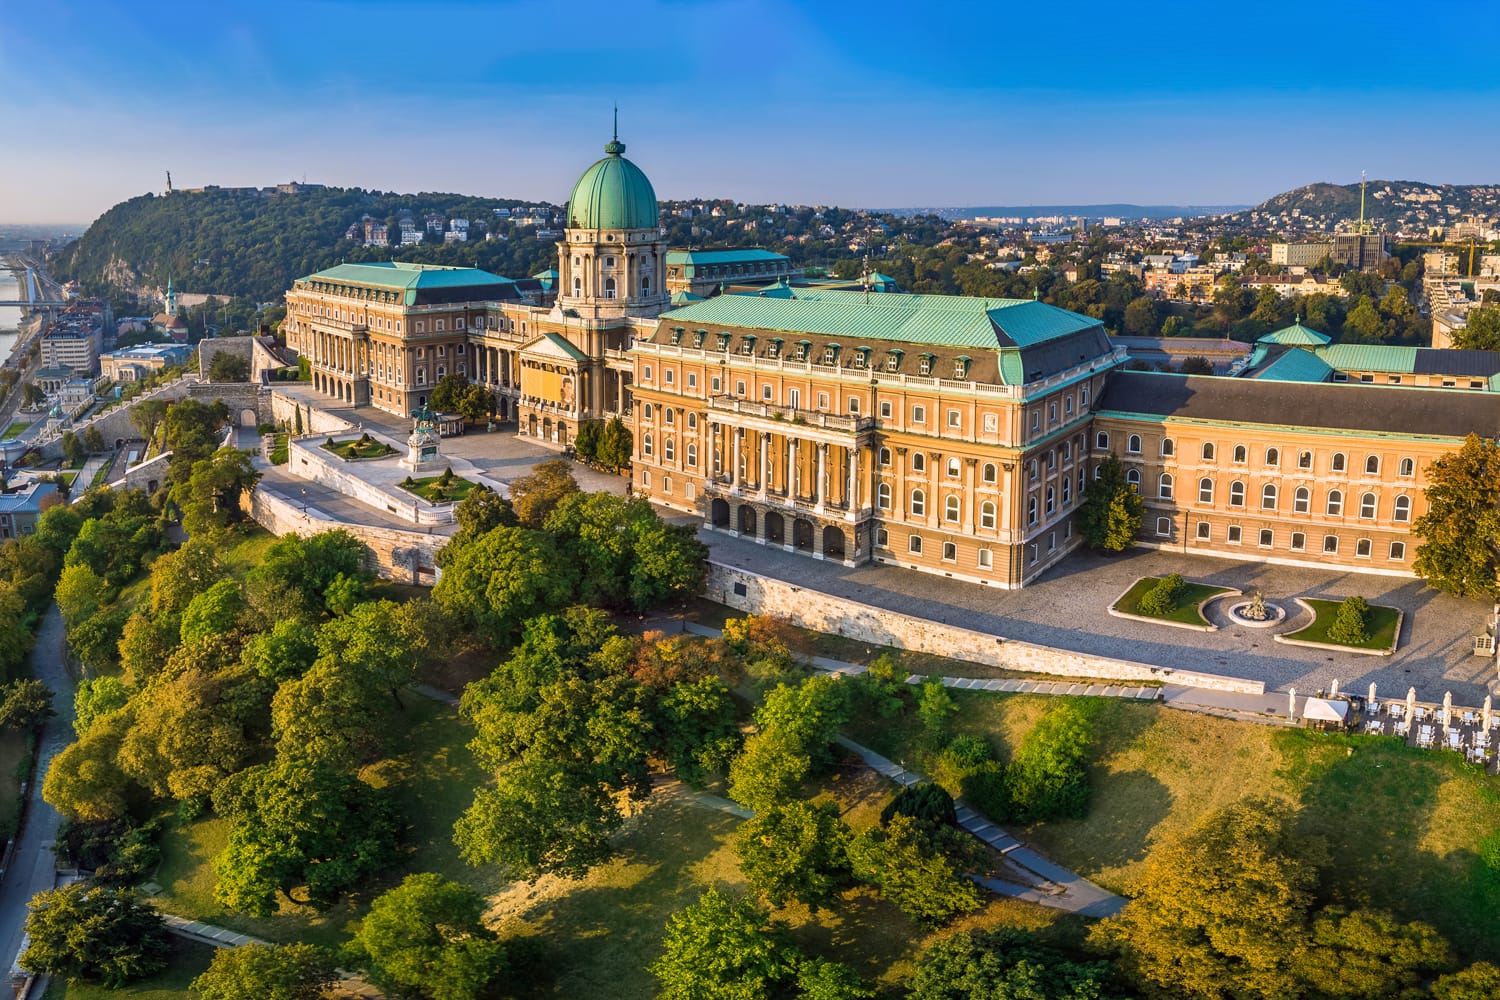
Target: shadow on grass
column 1375, row 806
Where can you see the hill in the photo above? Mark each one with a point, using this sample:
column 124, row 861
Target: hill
column 252, row 244
column 1397, row 204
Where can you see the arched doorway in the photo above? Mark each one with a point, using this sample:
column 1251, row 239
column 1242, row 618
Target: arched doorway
column 802, row 535
column 747, row 520
column 562, row 432
column 718, row 513
column 775, row 529
column 248, row 418
column 547, row 428
column 833, row 542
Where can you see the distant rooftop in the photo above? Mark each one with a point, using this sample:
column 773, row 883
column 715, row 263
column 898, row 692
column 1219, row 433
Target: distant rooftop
column 420, row 283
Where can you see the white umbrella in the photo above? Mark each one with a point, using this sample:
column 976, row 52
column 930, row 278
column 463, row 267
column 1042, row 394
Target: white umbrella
column 1371, row 699
column 1447, row 707
column 1291, row 704
column 1411, row 703
column 1333, row 692
column 1485, row 713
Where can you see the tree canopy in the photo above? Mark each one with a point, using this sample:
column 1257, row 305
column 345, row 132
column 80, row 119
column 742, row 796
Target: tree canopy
column 84, row 931
column 427, row 936
column 268, row 972
column 1460, row 531
column 1111, row 514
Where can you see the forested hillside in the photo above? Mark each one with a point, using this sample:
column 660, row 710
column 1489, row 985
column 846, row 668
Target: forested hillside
column 248, row 244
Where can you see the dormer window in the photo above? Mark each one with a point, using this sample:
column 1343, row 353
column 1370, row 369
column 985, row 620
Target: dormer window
column 861, row 357
column 803, row 347
column 747, row 345
column 961, row 368
column 830, row 354
column 723, row 341
column 773, row 350
column 698, row 336
column 924, row 364
column 893, row 361
column 676, row 335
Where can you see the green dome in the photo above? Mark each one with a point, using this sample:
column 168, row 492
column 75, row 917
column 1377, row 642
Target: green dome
column 613, row 194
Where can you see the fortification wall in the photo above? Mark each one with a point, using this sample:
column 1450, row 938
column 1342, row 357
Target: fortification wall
column 314, row 420
column 400, row 556
column 822, row 612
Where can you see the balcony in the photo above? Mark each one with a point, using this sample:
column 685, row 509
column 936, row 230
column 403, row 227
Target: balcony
column 814, row 419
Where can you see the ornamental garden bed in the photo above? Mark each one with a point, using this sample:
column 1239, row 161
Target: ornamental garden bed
column 1186, row 610
column 1382, row 626
column 446, row 488
column 361, row 447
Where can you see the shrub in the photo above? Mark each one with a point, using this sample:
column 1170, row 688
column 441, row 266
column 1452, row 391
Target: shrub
column 1162, row 598
column 1351, row 625
column 927, row 802
column 1048, row 779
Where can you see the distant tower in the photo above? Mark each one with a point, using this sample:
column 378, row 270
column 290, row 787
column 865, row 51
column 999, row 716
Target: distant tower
column 170, row 308
column 1361, row 230
column 169, row 182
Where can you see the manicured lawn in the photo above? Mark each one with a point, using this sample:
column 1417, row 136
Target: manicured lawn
column 172, row 984
column 1381, row 625
column 1404, row 827
column 15, row 427
column 428, row 489
column 1186, row 610
column 366, row 447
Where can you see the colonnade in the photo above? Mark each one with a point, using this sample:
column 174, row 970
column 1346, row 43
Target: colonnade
column 821, row 473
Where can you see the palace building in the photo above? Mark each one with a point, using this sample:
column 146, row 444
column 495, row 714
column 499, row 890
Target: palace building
column 946, row 434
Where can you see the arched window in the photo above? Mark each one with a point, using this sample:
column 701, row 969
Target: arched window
column 918, row 461
column 1335, row 503
column 609, row 288
column 1362, row 548
column 1299, row 541
column 1208, row 452
column 1330, row 544
column 989, row 472
column 1067, row 488
column 646, row 444
column 1101, row 441
column 1203, row 531
column 1164, row 486
column 885, row 456
column 1168, row 449
column 1407, row 467
column 987, row 514
column 692, row 456
column 1403, row 509
column 1051, row 500
column 1241, row 454
column 883, row 496
column 1133, row 479
column 1301, row 500
column 1031, row 510
column 668, row 449
column 918, row 503
column 1268, row 497
column 1398, row 550
column 950, row 509
column 1273, row 457
column 668, row 416
column 577, row 286
column 1367, row 506
column 1205, row 490
column 953, row 467
column 1338, row 461
column 1236, row 494
column 645, row 284
column 1133, row 444
column 1372, row 465
column 1304, row 460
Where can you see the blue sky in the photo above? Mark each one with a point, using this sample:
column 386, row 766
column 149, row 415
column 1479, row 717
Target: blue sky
column 874, row 104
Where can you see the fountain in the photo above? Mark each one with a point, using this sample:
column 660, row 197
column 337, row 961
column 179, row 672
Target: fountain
column 1257, row 612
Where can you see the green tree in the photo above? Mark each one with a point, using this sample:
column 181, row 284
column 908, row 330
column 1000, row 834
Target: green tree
column 586, row 441
column 1143, row 317
column 211, row 497
column 147, row 415
column 299, row 826
column 936, row 708
column 25, row 704
column 1219, row 911
column 1481, row 330
column 227, row 367
column 179, row 576
column 537, row 494
column 95, row 698
column 294, row 578
column 917, row 867
column 1048, row 777
column 697, row 728
column 503, row 578
column 427, row 936
column 1005, row 964
column 87, row 932
column 268, row 972
column 1460, row 531
column 1197, row 364
column 214, row 612
column 720, row 948
column 794, row 851
column 615, row 445
column 1368, row 955
column 186, row 736
column 93, row 441
column 1480, row 981
column 283, row 653
column 74, row 452
column 1112, row 510
column 84, row 781
column 1351, row 625
column 1365, row 322
column 481, row 510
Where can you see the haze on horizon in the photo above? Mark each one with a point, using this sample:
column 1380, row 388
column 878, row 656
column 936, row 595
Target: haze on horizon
column 968, row 104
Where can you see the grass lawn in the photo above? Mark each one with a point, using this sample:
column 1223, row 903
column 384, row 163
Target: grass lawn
column 187, row 963
column 1381, row 625
column 364, row 447
column 1404, row 827
column 432, row 777
column 15, row 427
column 1186, row 610
column 428, row 489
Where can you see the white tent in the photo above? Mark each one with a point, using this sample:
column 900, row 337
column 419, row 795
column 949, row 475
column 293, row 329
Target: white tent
column 1325, row 710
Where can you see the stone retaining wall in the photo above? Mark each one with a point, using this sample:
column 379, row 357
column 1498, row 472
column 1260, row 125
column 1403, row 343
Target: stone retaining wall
column 822, row 612
column 314, row 420
column 400, row 556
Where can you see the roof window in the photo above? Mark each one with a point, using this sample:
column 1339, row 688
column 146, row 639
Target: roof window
column 893, row 361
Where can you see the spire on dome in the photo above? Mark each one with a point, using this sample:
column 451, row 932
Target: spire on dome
column 615, row 147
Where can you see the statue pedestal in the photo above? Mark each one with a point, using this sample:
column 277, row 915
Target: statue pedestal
column 422, row 446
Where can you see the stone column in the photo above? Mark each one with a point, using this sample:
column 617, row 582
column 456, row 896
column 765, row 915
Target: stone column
column 851, row 493
column 734, row 470
column 969, row 500
column 767, row 464
column 821, row 485
column 898, row 501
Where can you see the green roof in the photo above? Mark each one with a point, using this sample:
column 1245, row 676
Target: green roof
column 1371, row 358
column 1296, row 366
column 1296, row 335
column 944, row 320
column 756, row 256
column 409, row 278
column 613, row 194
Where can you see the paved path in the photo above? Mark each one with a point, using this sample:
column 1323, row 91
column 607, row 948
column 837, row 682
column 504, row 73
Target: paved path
column 1050, row 884
column 33, row 868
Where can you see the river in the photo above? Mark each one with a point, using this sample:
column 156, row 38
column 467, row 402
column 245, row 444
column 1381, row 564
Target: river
column 10, row 316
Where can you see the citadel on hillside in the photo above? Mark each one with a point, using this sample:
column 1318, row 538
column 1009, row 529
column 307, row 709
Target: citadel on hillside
column 854, row 422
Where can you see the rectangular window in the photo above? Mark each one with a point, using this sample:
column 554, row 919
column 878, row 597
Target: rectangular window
column 919, row 414
column 669, row 376
column 715, row 384
column 692, row 380
column 885, row 410
column 645, row 369
column 955, row 419
column 1234, row 534
column 950, row 552
column 986, row 559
